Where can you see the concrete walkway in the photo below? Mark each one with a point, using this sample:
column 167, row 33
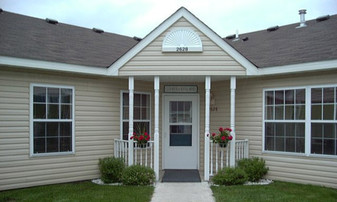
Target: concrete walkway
column 182, row 192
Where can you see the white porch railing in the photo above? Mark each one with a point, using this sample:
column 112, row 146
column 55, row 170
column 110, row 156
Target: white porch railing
column 220, row 157
column 141, row 156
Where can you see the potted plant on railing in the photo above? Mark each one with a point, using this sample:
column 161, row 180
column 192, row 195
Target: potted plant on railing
column 141, row 139
column 223, row 137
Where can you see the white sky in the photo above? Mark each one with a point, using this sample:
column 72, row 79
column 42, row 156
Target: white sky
column 139, row 17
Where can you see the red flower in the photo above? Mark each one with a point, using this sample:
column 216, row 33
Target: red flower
column 230, row 137
column 134, row 133
column 141, row 137
column 131, row 138
column 146, row 134
column 228, row 129
column 148, row 138
column 223, row 138
column 220, row 129
column 213, row 134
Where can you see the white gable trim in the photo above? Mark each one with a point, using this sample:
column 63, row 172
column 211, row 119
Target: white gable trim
column 302, row 67
column 56, row 66
column 182, row 12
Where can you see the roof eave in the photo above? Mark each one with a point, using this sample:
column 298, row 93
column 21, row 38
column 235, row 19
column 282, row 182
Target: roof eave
column 53, row 66
column 296, row 68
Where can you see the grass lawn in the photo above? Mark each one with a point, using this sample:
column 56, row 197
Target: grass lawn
column 277, row 191
column 79, row 191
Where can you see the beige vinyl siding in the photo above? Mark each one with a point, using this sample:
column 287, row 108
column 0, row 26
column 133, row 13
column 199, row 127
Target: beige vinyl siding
column 212, row 61
column 97, row 124
column 249, row 124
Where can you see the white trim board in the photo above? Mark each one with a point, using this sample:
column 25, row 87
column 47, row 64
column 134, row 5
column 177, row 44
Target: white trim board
column 56, row 66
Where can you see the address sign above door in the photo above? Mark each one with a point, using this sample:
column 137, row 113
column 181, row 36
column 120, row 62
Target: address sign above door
column 182, row 40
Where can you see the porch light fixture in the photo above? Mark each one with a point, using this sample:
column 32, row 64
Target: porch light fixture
column 213, row 106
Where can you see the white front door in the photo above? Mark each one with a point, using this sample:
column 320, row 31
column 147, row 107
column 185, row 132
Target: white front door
column 180, row 131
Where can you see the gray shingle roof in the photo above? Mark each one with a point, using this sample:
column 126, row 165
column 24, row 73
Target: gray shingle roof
column 32, row 38
column 288, row 45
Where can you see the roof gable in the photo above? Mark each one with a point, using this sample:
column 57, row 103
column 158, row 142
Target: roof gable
column 182, row 13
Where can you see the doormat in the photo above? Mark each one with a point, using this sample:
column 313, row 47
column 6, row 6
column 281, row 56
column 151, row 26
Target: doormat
column 181, row 176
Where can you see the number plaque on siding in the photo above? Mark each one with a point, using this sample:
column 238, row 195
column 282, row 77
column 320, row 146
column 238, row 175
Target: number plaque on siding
column 181, row 89
column 182, row 40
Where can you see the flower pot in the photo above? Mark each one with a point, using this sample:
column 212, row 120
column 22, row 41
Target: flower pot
column 142, row 145
column 223, row 145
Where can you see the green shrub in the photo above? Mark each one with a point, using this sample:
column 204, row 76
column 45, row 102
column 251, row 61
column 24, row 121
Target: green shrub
column 111, row 169
column 254, row 167
column 138, row 175
column 230, row 176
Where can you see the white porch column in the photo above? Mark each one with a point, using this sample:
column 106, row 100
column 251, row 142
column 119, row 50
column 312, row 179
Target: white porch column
column 207, row 105
column 232, row 121
column 156, row 126
column 131, row 89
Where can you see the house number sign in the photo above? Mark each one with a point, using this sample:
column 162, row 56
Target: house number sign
column 180, row 89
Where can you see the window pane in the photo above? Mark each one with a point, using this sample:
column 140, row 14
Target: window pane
column 65, row 144
column 269, row 113
column 300, row 112
column 145, row 100
column 300, row 145
column 289, row 112
column 39, row 111
column 316, row 130
column 328, row 95
column 289, row 95
column 53, row 111
column 39, row 145
column 52, row 145
column 136, row 113
column 328, row 112
column 290, row 144
column 329, row 130
column 137, row 100
column 66, row 112
column 300, row 96
column 39, row 129
column 279, row 113
column 290, row 129
column 180, row 135
column 269, row 130
column 300, row 129
column 125, row 99
column 279, row 97
column 53, row 95
column 39, row 94
column 66, row 95
column 279, row 129
column 65, row 129
column 125, row 130
column 316, row 95
column 329, row 147
column 316, row 112
column 269, row 97
column 125, row 112
column 52, row 129
column 279, row 144
column 316, row 146
column 270, row 144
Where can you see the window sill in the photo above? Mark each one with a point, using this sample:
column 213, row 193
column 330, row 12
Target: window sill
column 52, row 154
column 300, row 154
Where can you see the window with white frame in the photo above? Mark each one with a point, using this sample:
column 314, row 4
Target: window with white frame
column 323, row 120
column 141, row 113
column 52, row 119
column 288, row 115
column 285, row 120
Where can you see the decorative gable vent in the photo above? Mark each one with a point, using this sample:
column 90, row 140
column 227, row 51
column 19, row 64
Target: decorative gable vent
column 182, row 40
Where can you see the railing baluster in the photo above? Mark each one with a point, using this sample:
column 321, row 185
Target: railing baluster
column 211, row 164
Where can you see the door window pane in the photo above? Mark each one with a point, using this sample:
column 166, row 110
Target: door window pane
column 180, row 135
